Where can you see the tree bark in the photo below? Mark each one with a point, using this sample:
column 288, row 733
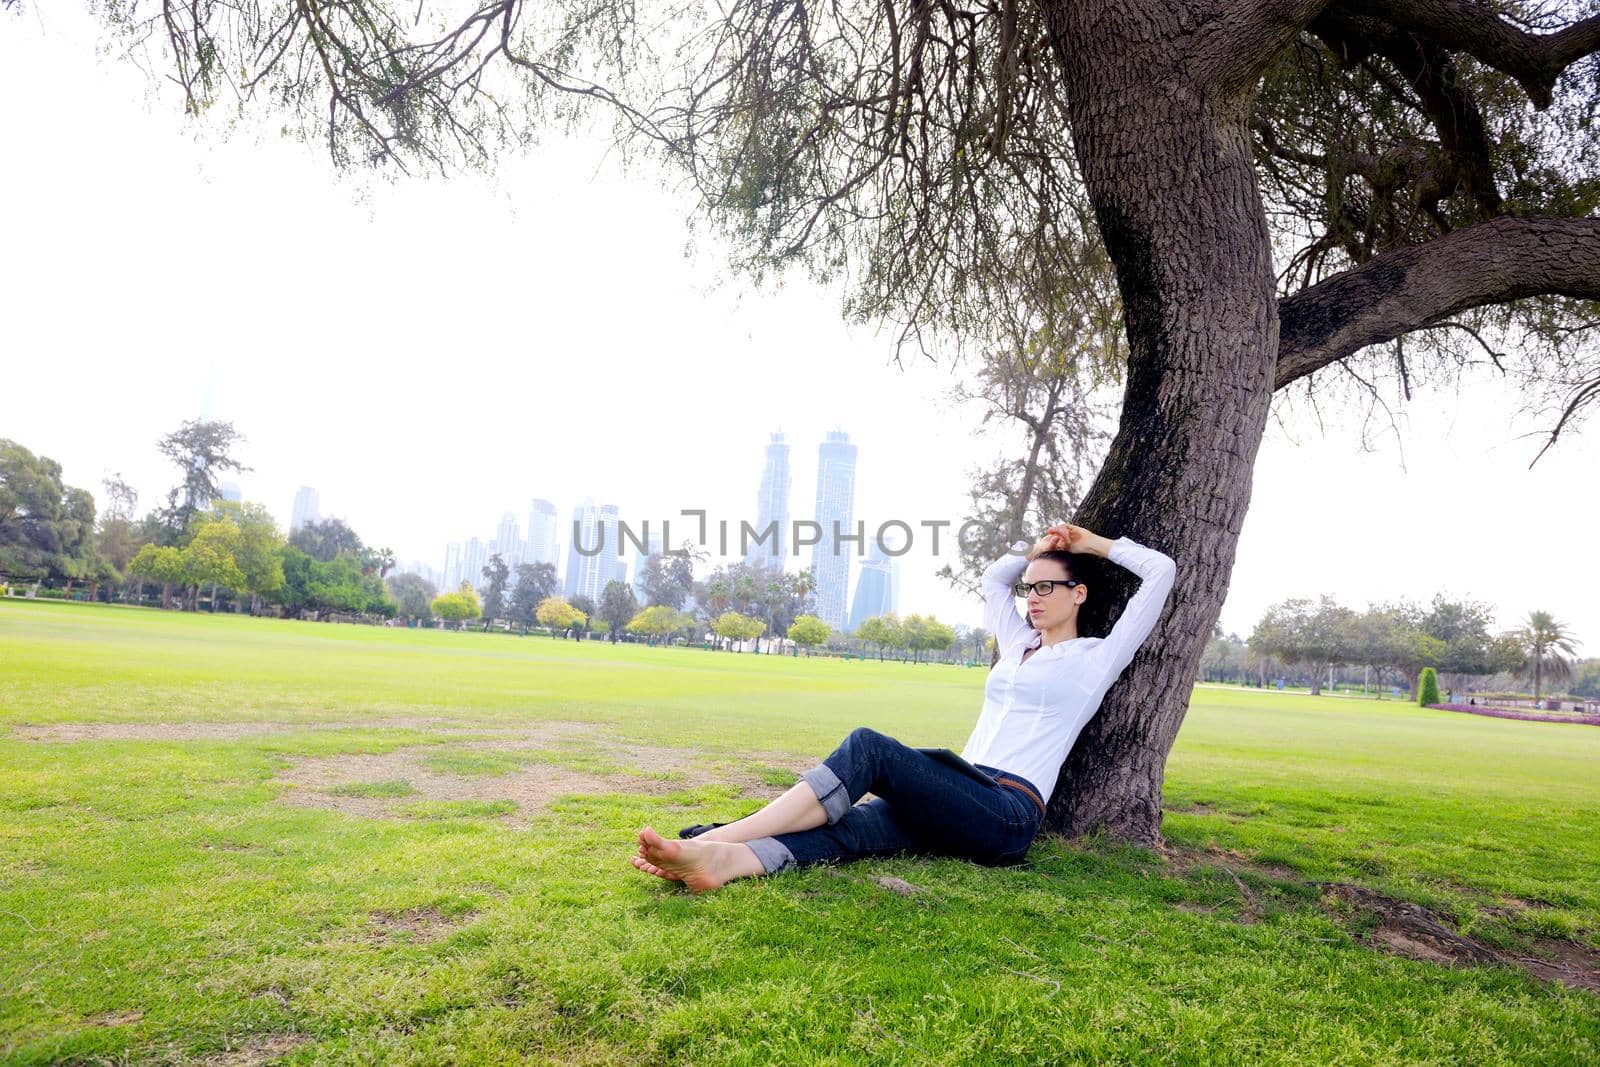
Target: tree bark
column 1160, row 130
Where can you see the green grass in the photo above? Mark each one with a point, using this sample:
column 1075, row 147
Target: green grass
column 376, row 790
column 157, row 901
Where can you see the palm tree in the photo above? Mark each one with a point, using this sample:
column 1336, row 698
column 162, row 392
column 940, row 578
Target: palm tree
column 804, row 583
column 1547, row 644
column 774, row 597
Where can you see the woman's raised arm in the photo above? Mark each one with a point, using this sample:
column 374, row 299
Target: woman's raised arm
column 1000, row 603
column 1156, row 572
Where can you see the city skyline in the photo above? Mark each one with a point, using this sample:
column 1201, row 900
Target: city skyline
column 771, row 533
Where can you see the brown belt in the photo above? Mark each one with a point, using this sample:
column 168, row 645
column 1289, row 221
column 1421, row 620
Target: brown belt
column 1012, row 783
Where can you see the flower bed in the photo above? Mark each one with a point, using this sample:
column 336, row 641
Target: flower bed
column 1503, row 713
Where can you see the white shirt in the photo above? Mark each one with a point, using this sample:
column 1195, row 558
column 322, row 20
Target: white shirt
column 1034, row 710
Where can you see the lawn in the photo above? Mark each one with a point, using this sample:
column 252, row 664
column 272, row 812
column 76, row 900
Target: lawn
column 226, row 840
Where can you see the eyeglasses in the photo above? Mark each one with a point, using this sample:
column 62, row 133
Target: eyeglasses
column 1044, row 588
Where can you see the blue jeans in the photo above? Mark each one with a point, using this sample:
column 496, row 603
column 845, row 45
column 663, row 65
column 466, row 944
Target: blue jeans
column 921, row 803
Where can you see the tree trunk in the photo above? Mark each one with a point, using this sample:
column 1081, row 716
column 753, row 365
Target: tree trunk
column 1161, row 137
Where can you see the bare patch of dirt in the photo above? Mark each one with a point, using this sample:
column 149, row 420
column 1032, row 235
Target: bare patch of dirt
column 1409, row 929
column 1193, row 809
column 416, row 924
column 1566, row 962
column 114, row 1018
column 310, row 781
column 1184, row 859
column 260, row 1049
column 532, row 788
column 1413, row 931
column 1403, row 928
column 216, row 731
column 676, row 768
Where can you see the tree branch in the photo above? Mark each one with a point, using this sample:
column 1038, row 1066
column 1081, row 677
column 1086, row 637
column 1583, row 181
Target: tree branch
column 1491, row 262
column 1535, row 60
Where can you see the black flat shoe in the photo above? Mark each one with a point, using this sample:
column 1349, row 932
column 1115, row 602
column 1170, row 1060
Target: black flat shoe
column 696, row 831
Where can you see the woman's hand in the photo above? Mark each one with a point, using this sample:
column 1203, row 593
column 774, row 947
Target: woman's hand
column 1050, row 542
column 1069, row 538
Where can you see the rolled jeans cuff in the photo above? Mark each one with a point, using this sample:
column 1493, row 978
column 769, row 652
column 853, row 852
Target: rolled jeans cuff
column 830, row 790
column 772, row 853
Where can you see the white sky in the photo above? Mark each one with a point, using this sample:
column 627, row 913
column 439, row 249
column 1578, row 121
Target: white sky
column 431, row 354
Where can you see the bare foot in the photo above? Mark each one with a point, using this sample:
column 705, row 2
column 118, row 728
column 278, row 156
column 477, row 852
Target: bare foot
column 700, row 865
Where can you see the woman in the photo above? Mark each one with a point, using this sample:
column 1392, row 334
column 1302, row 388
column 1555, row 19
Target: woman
column 985, row 804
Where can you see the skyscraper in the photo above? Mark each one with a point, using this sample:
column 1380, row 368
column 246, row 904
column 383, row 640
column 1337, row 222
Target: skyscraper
column 836, row 494
column 452, row 567
column 595, row 530
column 772, row 506
column 473, row 557
column 305, row 508
column 580, row 532
column 877, row 588
column 542, row 544
column 508, row 540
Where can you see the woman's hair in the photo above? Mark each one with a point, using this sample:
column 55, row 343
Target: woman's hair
column 1092, row 613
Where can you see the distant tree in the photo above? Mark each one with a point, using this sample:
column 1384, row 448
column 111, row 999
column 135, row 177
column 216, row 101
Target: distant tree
column 924, row 633
column 46, row 528
column 1546, row 647
column 618, row 606
column 1318, row 635
column 458, row 606
column 732, row 626
column 556, row 613
column 162, row 564
column 1223, row 657
column 808, row 631
column 880, row 631
column 208, row 560
column 535, row 582
column 496, row 574
column 413, row 594
column 122, row 499
column 714, row 594
column 805, row 583
column 586, row 610
column 913, row 629
column 1463, row 628
column 117, row 536
column 258, row 551
column 325, row 539
column 336, row 585
column 202, row 450
column 1586, row 679
column 979, row 638
column 1428, row 687
column 668, row 578
column 1393, row 636
column 658, row 622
